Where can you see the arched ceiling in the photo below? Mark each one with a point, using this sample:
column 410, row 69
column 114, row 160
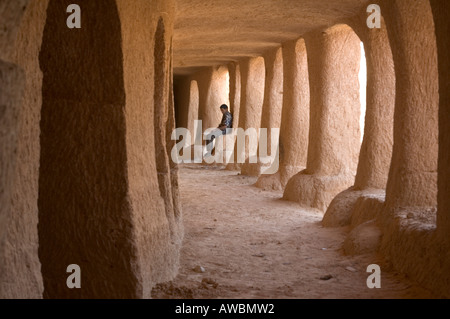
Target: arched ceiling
column 215, row 32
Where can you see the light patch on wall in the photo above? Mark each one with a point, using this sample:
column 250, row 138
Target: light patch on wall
column 363, row 88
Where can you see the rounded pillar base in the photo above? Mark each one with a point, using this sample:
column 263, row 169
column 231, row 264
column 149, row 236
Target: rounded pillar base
column 353, row 207
column 316, row 191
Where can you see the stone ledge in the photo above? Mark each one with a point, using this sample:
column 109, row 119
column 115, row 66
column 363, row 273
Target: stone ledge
column 316, row 191
column 351, row 207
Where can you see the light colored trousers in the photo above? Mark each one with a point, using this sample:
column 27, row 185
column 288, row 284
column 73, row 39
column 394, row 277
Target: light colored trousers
column 210, row 139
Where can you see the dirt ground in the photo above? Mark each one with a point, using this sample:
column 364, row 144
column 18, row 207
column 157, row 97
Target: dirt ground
column 253, row 245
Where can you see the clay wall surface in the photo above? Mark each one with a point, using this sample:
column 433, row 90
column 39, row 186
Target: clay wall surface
column 272, row 104
column 252, row 78
column 152, row 186
column 410, row 240
column 295, row 117
column 294, row 127
column 186, row 99
column 86, row 116
column 182, row 92
column 235, row 91
column 376, row 149
column 252, row 97
column 84, row 171
column 334, row 136
column 413, row 172
column 441, row 12
column 20, row 269
column 213, row 92
column 193, row 111
column 235, row 105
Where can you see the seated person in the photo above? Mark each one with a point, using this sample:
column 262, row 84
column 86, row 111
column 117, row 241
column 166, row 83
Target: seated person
column 227, row 122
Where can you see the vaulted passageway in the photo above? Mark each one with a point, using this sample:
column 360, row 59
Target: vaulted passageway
column 385, row 189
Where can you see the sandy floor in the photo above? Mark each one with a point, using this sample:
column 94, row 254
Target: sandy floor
column 251, row 244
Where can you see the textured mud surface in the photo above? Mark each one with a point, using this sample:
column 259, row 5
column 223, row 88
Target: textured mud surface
column 251, row 244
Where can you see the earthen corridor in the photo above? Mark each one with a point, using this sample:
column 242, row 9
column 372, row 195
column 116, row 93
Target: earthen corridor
column 354, row 169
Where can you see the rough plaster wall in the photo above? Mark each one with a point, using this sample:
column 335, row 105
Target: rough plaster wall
column 182, row 94
column 294, row 128
column 213, row 92
column 252, row 98
column 12, row 80
column 295, row 115
column 376, row 149
column 212, row 33
column 11, row 13
column 20, row 270
column 273, row 94
column 203, row 79
column 441, row 11
column 219, row 94
column 174, row 213
column 12, row 87
column 252, row 92
column 193, row 110
column 413, row 173
column 334, row 138
column 334, row 62
column 410, row 240
column 235, row 104
column 235, row 91
column 354, row 207
column 85, row 216
column 413, row 245
column 146, row 53
column 174, row 173
column 252, row 78
column 186, row 95
column 273, row 103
